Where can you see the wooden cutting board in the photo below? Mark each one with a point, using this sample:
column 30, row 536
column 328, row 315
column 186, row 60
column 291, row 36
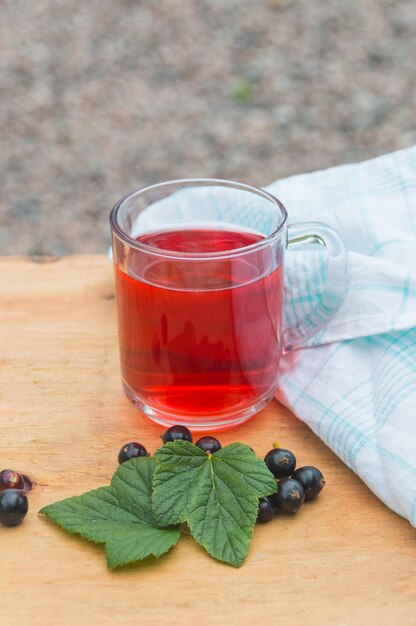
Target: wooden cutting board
column 343, row 560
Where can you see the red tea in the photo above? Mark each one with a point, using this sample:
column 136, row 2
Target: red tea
column 199, row 339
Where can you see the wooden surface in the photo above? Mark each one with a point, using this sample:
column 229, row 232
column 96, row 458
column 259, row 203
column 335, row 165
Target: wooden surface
column 345, row 559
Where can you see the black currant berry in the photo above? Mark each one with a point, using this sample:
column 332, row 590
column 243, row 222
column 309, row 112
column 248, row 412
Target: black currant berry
column 131, row 451
column 13, row 507
column 9, row 479
column 289, row 497
column 265, row 512
column 175, row 433
column 311, row 480
column 208, row 444
column 280, row 462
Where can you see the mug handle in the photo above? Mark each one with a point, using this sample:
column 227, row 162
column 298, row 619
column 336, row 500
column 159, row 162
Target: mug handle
column 317, row 233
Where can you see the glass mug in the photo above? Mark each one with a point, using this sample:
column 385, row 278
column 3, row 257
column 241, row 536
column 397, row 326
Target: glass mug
column 199, row 288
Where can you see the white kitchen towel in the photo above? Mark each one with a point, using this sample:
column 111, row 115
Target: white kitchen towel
column 355, row 383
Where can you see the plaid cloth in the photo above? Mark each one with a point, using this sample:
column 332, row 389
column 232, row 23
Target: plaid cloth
column 355, row 382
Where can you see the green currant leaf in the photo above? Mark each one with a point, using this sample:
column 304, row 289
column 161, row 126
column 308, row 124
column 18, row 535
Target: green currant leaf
column 119, row 515
column 217, row 495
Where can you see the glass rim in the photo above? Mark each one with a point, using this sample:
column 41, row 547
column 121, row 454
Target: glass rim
column 174, row 254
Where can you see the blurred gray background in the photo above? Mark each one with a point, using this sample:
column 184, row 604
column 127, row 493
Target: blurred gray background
column 100, row 97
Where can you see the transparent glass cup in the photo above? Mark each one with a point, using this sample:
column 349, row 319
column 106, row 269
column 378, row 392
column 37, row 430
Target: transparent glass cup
column 199, row 273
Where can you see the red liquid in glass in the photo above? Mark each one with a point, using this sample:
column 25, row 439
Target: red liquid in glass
column 200, row 339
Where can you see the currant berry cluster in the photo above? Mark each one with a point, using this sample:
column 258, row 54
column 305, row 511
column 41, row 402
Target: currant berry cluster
column 174, row 433
column 13, row 499
column 294, row 486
